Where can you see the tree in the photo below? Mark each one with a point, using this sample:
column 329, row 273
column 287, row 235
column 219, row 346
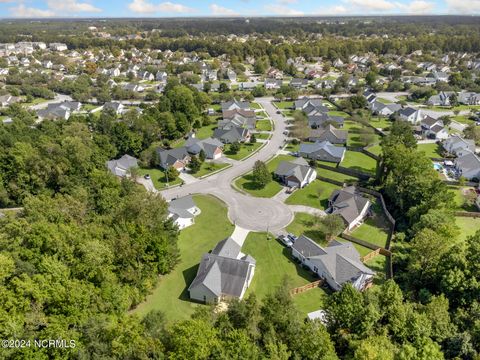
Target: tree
column 253, row 139
column 261, row 175
column 235, row 147
column 202, row 156
column 194, row 164
column 171, row 173
column 223, row 88
column 331, row 225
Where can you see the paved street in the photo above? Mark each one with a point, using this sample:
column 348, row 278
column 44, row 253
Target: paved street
column 248, row 212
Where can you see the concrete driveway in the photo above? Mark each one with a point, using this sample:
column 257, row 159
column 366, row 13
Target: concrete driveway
column 248, row 212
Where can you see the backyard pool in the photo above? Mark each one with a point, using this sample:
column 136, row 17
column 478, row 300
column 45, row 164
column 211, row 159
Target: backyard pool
column 437, row 166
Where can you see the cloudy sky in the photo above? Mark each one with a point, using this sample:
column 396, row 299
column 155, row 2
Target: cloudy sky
column 156, row 8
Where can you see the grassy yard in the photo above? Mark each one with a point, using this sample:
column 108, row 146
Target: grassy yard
column 158, row 178
column 284, row 104
column 209, row 167
column 359, row 161
column 354, row 134
column 89, row 107
column 171, row 295
column 292, row 147
column 304, row 223
column 376, row 149
column 274, row 263
column 458, row 192
column 314, row 195
column 375, row 229
column 264, row 125
column 245, row 150
column 468, row 226
column 383, row 101
column 338, row 113
column 311, row 300
column 262, row 136
column 205, row 131
column 261, row 114
column 335, row 175
column 255, row 106
column 431, row 150
column 463, row 119
column 380, row 123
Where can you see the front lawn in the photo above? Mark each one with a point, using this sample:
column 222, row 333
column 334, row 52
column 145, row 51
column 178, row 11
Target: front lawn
column 255, row 106
column 304, row 223
column 375, row 149
column 247, row 184
column 358, row 161
column 209, row 167
column 264, row 125
column 383, row 101
column 171, row 295
column 273, row 262
column 158, row 177
column 432, row 150
column 315, row 195
column 245, row 150
column 262, row 136
column 284, row 104
column 468, row 226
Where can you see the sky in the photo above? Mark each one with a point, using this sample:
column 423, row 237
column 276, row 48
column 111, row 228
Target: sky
column 182, row 8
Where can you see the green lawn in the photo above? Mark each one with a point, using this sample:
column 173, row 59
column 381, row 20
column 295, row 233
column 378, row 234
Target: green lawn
column 460, row 198
column 463, row 119
column 311, row 300
column 264, row 125
column 284, row 104
column 274, row 262
column 209, row 167
column 261, row 114
column 468, row 226
column 334, row 175
column 89, row 107
column 171, row 295
column 304, row 223
column 245, row 150
column 158, row 178
column 431, row 150
column 255, row 105
column 273, row 163
column 359, row 161
column 354, row 134
column 376, row 149
column 205, row 131
column 338, row 113
column 375, row 229
column 315, row 195
column 292, row 147
column 383, row 101
column 262, row 136
column 380, row 123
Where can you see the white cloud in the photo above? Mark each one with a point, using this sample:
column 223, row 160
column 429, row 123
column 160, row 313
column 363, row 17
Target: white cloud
column 282, row 10
column 464, row 7
column 64, row 7
column 334, row 10
column 288, row 2
column 28, row 12
column 417, row 6
column 376, row 5
column 220, row 10
column 145, row 7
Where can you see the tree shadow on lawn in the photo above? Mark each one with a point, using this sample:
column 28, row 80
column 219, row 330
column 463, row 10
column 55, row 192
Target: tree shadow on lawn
column 188, row 276
column 301, row 271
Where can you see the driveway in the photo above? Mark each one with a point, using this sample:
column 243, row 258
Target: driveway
column 248, row 212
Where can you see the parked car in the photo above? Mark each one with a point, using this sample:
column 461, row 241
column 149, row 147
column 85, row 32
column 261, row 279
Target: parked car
column 292, row 237
column 147, row 176
column 285, row 240
column 279, row 112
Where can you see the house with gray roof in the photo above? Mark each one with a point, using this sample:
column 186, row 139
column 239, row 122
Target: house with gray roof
column 411, row 115
column 434, row 128
column 299, row 83
column 338, row 263
column 61, row 110
column 323, row 119
column 230, row 133
column 468, row 166
column 324, row 151
column 440, row 99
column 177, row 158
column 211, row 147
column 273, row 84
column 121, row 167
column 330, row 133
column 235, row 105
column 459, row 146
column 382, row 109
column 350, row 205
column 116, row 106
column 295, row 173
column 183, row 211
column 239, row 117
column 224, row 273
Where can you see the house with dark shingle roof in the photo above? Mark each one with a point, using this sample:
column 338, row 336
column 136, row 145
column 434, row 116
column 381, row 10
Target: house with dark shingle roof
column 295, row 173
column 177, row 157
column 330, row 134
column 468, row 165
column 324, row 151
column 239, row 117
column 122, row 166
column 235, row 105
column 323, row 119
column 183, row 211
column 459, row 146
column 350, row 205
column 231, row 133
column 338, row 263
column 210, row 146
column 224, row 273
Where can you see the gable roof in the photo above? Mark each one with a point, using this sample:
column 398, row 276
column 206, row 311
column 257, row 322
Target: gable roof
column 120, row 166
column 297, row 168
column 170, row 157
column 335, row 151
column 347, row 203
column 329, row 130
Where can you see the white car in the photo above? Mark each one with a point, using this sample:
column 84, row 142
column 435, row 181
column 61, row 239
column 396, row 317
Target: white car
column 285, row 240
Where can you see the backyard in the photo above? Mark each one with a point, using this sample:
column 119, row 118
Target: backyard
column 315, row 195
column 359, row 161
column 431, row 150
column 375, row 229
column 469, row 226
column 171, row 295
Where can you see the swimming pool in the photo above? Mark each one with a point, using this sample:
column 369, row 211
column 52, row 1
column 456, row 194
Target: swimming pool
column 437, row 167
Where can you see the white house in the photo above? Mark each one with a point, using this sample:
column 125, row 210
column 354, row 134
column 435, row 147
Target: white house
column 183, row 211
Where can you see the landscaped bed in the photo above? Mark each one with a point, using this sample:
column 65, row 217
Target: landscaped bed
column 171, row 295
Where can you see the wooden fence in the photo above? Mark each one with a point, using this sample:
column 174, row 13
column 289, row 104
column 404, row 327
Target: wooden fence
column 356, row 173
column 467, row 214
column 312, row 285
column 371, row 255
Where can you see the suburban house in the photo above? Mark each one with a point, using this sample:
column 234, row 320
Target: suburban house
column 178, row 158
column 350, row 205
column 468, row 166
column 324, row 151
column 183, row 211
column 224, row 273
column 239, row 117
column 299, row 83
column 458, row 146
column 211, row 147
column 310, row 106
column 273, row 84
column 441, row 99
column 382, row 109
column 122, row 166
column 232, row 133
column 468, row 98
column 434, row 128
column 115, row 106
column 330, row 133
column 411, row 115
column 338, row 263
column 235, row 105
column 59, row 110
column 296, row 173
column 323, row 119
